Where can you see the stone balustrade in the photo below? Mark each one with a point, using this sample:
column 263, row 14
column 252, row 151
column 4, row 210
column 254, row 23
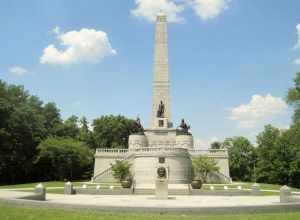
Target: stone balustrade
column 160, row 148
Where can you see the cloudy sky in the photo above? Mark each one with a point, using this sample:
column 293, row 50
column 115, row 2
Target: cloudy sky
column 231, row 61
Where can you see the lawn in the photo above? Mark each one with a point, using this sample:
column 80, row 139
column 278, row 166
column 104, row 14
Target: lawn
column 54, row 184
column 206, row 187
column 18, row 213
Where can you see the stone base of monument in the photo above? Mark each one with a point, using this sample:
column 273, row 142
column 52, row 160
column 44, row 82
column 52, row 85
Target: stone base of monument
column 161, row 189
column 173, row 189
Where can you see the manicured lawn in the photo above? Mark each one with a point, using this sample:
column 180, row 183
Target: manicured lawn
column 21, row 213
column 32, row 185
column 267, row 186
column 206, row 187
column 53, row 184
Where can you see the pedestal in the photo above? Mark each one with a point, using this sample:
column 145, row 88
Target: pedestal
column 161, row 188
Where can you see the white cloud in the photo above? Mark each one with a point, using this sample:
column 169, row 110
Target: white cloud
column 297, row 46
column 259, row 109
column 205, row 9
column 85, row 45
column 208, row 9
column 56, row 30
column 297, row 61
column 18, row 71
column 148, row 9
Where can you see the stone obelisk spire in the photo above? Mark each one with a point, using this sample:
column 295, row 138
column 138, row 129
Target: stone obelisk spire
column 161, row 83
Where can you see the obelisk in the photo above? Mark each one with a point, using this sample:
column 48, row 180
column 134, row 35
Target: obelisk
column 161, row 83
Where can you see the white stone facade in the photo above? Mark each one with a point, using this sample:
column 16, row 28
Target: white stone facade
column 161, row 142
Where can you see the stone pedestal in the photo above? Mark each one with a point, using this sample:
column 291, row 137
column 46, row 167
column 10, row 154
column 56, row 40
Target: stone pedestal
column 40, row 191
column 185, row 141
column 285, row 194
column 161, row 188
column 69, row 189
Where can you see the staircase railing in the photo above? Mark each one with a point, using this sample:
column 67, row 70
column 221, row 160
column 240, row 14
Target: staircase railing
column 107, row 171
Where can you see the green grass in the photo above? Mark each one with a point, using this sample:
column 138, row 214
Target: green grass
column 206, row 187
column 267, row 186
column 32, row 185
column 21, row 213
column 53, row 184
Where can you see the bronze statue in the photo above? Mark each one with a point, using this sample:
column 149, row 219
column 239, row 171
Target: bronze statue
column 138, row 126
column 161, row 110
column 184, row 127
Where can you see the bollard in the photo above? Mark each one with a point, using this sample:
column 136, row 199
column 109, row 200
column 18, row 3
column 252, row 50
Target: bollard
column 255, row 189
column 40, row 191
column 69, row 189
column 285, row 194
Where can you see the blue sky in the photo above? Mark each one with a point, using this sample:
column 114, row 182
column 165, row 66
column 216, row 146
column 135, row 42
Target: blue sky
column 231, row 62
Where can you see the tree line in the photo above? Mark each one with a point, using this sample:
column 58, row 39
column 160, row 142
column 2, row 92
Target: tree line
column 37, row 144
column 276, row 158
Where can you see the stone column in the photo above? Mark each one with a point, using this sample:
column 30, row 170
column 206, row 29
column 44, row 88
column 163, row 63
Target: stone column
column 161, row 82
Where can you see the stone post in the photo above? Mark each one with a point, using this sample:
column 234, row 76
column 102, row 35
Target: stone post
column 40, row 191
column 161, row 183
column 69, row 188
column 285, row 194
column 255, row 189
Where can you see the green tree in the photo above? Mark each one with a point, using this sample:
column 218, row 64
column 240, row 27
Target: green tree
column 70, row 128
column 21, row 130
column 241, row 158
column 53, row 122
column 113, row 131
column 63, row 158
column 216, row 145
column 293, row 98
column 266, row 144
column 202, row 166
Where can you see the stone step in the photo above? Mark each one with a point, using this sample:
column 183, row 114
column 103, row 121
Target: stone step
column 170, row 192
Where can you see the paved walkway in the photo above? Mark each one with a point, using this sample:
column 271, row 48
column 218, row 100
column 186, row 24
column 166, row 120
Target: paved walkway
column 149, row 203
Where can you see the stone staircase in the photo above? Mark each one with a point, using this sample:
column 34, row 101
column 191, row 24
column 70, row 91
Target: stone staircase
column 106, row 175
column 173, row 189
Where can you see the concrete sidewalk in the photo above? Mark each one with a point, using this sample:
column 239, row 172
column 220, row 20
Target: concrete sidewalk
column 148, row 203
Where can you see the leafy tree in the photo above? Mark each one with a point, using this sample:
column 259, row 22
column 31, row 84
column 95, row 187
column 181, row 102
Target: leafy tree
column 285, row 158
column 241, row 158
column 70, row 128
column 21, row 130
column 53, row 122
column 63, row 158
column 266, row 141
column 293, row 98
column 121, row 170
column 202, row 166
column 216, row 145
column 85, row 134
column 113, row 131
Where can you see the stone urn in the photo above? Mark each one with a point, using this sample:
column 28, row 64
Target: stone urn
column 196, row 184
column 126, row 183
